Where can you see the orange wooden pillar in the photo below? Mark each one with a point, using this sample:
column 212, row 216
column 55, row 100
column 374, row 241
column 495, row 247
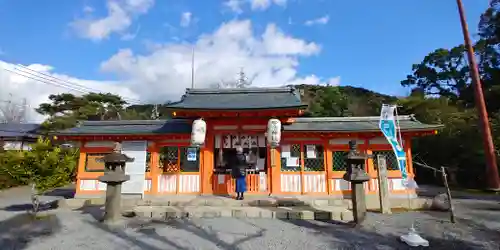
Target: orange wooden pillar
column 155, row 171
column 409, row 157
column 207, row 163
column 370, row 167
column 81, row 167
column 328, row 166
column 275, row 171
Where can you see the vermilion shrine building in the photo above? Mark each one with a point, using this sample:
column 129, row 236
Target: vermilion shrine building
column 310, row 159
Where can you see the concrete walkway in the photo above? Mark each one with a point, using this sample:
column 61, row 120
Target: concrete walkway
column 477, row 228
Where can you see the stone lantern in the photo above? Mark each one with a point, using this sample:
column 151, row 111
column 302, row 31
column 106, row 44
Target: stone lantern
column 357, row 176
column 114, row 176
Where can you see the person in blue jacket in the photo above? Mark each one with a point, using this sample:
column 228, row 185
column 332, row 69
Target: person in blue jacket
column 239, row 172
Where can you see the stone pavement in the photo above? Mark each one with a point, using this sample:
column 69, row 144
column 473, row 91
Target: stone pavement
column 250, row 201
column 190, row 206
column 477, row 226
column 295, row 212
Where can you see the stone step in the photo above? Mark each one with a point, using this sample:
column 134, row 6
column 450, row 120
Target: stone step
column 214, row 202
column 224, row 202
column 296, row 212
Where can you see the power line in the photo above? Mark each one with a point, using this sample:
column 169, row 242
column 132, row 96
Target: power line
column 45, row 80
column 69, row 85
column 66, row 85
column 57, row 79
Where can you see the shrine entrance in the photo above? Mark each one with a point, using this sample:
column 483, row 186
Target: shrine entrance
column 254, row 147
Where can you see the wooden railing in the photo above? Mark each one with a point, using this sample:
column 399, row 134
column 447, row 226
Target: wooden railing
column 224, row 184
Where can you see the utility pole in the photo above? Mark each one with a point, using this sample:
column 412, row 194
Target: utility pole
column 489, row 147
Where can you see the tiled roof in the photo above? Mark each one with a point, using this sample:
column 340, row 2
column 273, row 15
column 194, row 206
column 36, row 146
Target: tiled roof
column 130, row 127
column 361, row 124
column 19, row 130
column 182, row 126
column 239, row 99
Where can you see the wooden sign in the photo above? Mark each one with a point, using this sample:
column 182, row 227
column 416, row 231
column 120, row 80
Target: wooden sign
column 383, row 187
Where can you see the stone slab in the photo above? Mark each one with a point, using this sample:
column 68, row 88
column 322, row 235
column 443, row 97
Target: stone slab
column 267, row 202
column 281, row 213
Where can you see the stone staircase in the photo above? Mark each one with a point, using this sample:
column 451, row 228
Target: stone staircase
column 252, row 207
column 167, row 207
column 294, row 207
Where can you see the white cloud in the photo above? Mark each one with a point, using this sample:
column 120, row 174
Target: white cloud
column 37, row 91
column 119, row 18
column 236, row 5
column 334, row 81
column 276, row 42
column 164, row 72
column 265, row 4
column 131, row 36
column 320, row 20
column 315, row 80
column 186, row 19
column 88, row 9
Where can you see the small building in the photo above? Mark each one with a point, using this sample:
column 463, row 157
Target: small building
column 18, row 136
column 310, row 160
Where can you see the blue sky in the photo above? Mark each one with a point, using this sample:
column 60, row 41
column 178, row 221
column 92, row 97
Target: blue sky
column 370, row 46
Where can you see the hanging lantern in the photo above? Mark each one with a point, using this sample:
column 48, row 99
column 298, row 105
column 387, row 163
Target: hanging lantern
column 198, row 132
column 274, row 132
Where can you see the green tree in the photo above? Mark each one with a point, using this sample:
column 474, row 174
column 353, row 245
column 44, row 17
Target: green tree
column 329, row 101
column 443, row 72
column 65, row 110
column 444, row 76
column 45, row 166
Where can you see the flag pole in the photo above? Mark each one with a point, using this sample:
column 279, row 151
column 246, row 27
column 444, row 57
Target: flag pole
column 489, row 147
column 192, row 68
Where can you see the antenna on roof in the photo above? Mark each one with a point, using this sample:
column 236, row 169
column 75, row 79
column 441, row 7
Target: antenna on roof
column 192, row 68
column 242, row 81
column 155, row 114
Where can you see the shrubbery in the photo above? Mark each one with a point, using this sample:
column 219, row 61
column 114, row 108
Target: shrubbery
column 45, row 166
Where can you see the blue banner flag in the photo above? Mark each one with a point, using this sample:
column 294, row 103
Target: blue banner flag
column 388, row 127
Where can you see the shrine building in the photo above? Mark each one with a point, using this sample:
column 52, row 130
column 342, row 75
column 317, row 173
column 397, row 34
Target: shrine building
column 309, row 161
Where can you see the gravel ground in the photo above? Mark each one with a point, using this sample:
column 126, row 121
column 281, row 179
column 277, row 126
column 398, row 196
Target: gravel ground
column 476, row 229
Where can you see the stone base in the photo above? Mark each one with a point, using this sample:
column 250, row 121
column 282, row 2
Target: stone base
column 372, row 202
column 285, row 213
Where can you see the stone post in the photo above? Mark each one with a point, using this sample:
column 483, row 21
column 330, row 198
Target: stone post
column 114, row 176
column 357, row 176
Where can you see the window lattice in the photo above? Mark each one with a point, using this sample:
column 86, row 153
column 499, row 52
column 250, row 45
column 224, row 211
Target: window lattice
column 173, row 159
column 291, row 162
column 169, row 159
column 390, row 158
column 339, row 160
column 314, row 158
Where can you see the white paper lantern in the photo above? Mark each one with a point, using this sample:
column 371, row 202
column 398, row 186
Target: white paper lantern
column 274, row 132
column 198, row 132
